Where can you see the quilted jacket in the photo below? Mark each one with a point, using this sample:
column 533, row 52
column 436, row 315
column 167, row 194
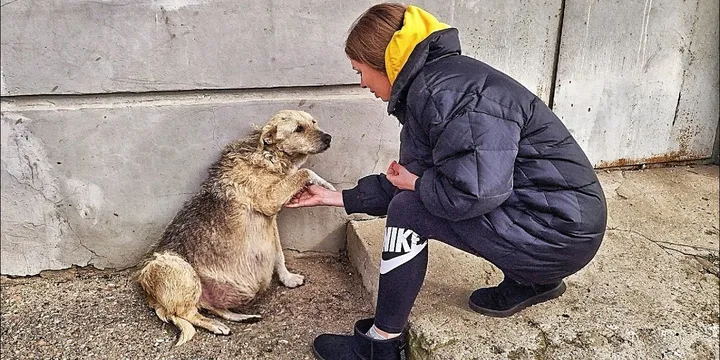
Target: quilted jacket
column 486, row 148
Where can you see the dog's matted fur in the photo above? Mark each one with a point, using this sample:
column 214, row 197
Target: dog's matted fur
column 220, row 250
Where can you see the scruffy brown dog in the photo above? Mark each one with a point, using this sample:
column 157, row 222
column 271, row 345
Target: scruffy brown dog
column 220, row 250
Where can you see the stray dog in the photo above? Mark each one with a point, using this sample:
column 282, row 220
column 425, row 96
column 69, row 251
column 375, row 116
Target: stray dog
column 220, row 250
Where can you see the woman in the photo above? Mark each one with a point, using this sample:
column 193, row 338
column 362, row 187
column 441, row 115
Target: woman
column 484, row 166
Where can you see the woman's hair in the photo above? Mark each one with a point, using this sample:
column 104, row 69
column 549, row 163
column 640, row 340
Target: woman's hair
column 371, row 33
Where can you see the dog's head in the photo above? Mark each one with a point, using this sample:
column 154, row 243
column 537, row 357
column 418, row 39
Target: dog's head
column 294, row 132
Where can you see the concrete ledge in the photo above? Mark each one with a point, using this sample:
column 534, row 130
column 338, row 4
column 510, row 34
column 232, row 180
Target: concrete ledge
column 651, row 292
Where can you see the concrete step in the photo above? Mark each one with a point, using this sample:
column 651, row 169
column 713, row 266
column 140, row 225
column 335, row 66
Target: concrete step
column 638, row 298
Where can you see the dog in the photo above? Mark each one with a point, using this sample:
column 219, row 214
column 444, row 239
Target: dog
column 223, row 246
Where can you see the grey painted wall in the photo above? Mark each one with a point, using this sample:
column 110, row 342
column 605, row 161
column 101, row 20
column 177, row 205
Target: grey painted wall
column 126, row 108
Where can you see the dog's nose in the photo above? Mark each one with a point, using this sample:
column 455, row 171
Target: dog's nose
column 326, row 138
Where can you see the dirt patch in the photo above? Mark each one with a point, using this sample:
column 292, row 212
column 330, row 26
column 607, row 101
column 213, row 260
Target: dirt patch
column 92, row 314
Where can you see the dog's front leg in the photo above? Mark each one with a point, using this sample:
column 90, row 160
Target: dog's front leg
column 286, row 277
column 271, row 199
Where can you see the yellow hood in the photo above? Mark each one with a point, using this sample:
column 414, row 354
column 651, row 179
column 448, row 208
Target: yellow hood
column 418, row 24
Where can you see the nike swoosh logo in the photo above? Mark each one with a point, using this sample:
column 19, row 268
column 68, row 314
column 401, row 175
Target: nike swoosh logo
column 389, row 265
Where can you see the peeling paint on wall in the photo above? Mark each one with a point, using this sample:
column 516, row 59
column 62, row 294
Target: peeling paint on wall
column 3, row 86
column 22, row 162
column 31, row 202
column 24, row 157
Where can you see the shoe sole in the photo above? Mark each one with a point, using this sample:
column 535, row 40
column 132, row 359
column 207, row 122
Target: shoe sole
column 548, row 295
column 317, row 356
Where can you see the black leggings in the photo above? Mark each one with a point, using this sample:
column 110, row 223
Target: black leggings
column 405, row 255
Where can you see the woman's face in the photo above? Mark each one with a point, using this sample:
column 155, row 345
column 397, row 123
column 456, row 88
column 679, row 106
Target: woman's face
column 376, row 81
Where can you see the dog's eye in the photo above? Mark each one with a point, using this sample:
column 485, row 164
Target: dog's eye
column 299, row 129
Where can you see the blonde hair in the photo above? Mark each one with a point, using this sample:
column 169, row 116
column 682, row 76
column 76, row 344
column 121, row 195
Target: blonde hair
column 371, row 33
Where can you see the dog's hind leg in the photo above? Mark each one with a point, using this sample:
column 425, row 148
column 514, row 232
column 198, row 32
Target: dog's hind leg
column 213, row 326
column 160, row 312
column 173, row 290
column 232, row 316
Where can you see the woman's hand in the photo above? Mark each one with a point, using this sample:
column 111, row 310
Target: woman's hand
column 314, row 195
column 401, row 177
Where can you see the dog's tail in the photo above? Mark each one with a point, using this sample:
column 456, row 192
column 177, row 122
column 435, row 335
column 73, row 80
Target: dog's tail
column 173, row 288
column 187, row 331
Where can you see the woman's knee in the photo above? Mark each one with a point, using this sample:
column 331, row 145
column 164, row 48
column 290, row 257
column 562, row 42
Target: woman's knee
column 407, row 211
column 404, row 204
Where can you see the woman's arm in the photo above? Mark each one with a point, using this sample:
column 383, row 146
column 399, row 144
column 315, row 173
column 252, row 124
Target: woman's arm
column 371, row 196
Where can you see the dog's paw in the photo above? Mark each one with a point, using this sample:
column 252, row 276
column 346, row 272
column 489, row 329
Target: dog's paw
column 292, row 280
column 327, row 185
column 219, row 328
column 315, row 179
column 320, row 181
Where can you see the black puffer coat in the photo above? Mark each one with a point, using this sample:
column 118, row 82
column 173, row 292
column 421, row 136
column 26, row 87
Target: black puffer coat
column 485, row 147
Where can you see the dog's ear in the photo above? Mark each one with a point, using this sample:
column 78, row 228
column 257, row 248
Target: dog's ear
column 269, row 135
column 277, row 128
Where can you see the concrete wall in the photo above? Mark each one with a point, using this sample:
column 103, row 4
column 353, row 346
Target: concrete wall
column 83, row 46
column 95, row 181
column 637, row 80
column 112, row 110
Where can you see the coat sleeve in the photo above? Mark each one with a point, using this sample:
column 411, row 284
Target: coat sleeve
column 371, row 196
column 473, row 164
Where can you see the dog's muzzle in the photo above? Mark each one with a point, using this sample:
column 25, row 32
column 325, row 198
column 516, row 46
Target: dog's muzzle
column 326, row 138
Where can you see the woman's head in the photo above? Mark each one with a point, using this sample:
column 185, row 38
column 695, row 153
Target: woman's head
column 365, row 45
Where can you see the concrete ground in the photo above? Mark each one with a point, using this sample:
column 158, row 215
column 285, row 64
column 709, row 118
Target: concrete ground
column 650, row 293
column 92, row 314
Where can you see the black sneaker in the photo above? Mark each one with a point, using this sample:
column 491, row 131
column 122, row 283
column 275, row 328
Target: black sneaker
column 510, row 297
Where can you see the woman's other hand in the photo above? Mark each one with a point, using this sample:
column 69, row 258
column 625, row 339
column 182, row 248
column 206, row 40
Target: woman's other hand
column 401, row 177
